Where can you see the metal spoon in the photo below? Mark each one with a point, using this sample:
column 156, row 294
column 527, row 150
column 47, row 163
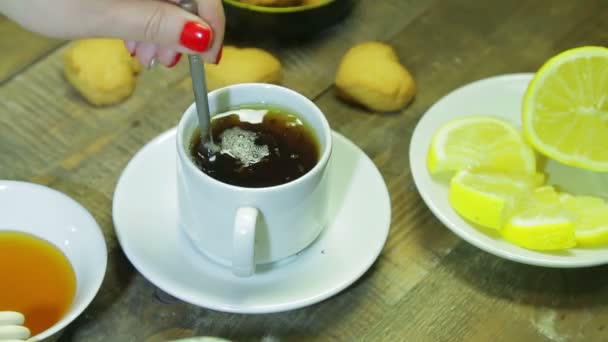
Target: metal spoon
column 199, row 86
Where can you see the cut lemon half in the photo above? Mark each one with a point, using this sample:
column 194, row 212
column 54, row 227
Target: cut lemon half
column 565, row 108
column 487, row 199
column 540, row 222
column 481, row 143
column 591, row 219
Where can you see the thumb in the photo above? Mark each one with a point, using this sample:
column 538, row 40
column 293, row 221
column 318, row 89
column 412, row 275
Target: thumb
column 158, row 22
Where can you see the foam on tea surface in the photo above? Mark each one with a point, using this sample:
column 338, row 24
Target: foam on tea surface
column 258, row 148
column 240, row 144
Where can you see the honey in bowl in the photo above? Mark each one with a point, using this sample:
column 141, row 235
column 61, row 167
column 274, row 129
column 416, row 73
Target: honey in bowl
column 36, row 279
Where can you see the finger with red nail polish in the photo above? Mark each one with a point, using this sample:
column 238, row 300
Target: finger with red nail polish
column 196, row 36
column 219, row 55
column 167, row 25
column 130, row 45
column 212, row 13
column 146, row 52
column 168, row 57
column 176, row 60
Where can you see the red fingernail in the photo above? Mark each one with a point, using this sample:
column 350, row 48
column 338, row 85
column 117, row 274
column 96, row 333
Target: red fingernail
column 219, row 55
column 195, row 36
column 175, row 60
column 133, row 54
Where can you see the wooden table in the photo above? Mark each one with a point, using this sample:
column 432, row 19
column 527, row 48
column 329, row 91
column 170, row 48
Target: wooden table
column 428, row 285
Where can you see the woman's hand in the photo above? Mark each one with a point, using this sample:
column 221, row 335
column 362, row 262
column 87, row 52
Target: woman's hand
column 152, row 29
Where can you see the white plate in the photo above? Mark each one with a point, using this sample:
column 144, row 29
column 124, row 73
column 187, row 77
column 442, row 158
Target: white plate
column 499, row 96
column 58, row 219
column 145, row 219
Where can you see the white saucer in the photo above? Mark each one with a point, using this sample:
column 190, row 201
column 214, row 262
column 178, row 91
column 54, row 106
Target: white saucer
column 144, row 212
column 499, row 96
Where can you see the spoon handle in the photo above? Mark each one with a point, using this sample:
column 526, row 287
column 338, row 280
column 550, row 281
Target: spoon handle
column 199, row 84
column 189, row 5
column 200, row 94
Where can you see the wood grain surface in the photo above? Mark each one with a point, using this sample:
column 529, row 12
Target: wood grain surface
column 21, row 48
column 428, row 285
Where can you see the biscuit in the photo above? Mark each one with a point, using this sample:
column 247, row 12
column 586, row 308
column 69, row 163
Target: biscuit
column 101, row 70
column 243, row 65
column 370, row 75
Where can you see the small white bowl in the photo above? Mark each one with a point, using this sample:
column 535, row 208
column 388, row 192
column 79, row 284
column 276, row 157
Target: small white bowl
column 58, row 219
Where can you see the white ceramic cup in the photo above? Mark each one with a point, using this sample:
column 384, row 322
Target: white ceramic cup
column 240, row 227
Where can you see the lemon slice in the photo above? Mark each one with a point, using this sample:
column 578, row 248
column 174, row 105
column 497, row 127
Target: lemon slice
column 540, row 222
column 487, row 199
column 565, row 109
column 591, row 223
column 481, row 143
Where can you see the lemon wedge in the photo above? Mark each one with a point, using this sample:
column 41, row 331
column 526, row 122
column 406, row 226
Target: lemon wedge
column 487, row 199
column 481, row 143
column 540, row 222
column 591, row 219
column 565, row 108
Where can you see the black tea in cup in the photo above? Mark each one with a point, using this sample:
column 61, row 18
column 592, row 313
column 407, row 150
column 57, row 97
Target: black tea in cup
column 259, row 147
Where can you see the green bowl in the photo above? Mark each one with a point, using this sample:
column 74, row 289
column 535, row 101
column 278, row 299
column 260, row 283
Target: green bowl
column 282, row 22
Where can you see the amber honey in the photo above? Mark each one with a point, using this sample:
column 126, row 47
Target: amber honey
column 36, row 279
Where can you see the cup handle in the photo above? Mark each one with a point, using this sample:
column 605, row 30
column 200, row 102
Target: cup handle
column 243, row 243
